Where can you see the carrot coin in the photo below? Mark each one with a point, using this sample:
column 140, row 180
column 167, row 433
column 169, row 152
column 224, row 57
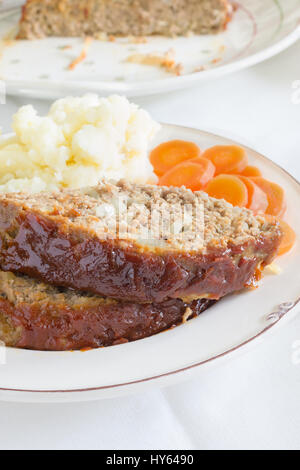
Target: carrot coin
column 208, row 169
column 275, row 195
column 257, row 198
column 289, row 236
column 251, row 171
column 192, row 175
column 227, row 158
column 167, row 155
column 228, row 187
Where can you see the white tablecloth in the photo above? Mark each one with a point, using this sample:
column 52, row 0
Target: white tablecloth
column 250, row 402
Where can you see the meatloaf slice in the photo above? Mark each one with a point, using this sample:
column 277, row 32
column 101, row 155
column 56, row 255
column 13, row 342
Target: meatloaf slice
column 43, row 18
column 34, row 315
column 138, row 243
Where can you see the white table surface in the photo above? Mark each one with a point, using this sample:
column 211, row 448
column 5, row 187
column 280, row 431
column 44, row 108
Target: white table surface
column 252, row 402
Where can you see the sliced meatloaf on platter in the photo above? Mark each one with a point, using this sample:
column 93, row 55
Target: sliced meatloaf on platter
column 67, row 18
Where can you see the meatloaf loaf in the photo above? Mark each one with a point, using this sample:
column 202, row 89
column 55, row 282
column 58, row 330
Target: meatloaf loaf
column 137, row 243
column 43, row 18
column 34, row 315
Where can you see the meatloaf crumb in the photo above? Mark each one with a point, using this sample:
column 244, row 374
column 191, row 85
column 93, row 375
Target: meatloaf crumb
column 43, row 18
column 37, row 316
column 98, row 240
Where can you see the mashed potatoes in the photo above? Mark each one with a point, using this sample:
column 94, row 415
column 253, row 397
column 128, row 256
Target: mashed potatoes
column 77, row 143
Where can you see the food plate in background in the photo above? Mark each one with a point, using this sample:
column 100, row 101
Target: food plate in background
column 232, row 325
column 258, row 31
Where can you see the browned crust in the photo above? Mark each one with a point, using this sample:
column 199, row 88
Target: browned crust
column 43, row 18
column 34, row 244
column 59, row 326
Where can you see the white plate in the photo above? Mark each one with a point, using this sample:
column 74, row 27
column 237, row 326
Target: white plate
column 258, row 31
column 215, row 336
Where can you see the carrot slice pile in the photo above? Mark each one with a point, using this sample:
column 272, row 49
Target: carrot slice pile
column 193, row 174
column 257, row 198
column 167, row 155
column 227, row 158
column 224, row 173
column 251, row 171
column 275, row 195
column 289, row 236
column 228, row 187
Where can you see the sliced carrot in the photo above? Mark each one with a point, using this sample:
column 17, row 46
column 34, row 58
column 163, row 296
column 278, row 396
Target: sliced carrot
column 167, row 155
column 251, row 171
column 257, row 198
column 227, row 158
column 228, row 187
column 275, row 195
column 208, row 169
column 192, row 174
column 289, row 236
